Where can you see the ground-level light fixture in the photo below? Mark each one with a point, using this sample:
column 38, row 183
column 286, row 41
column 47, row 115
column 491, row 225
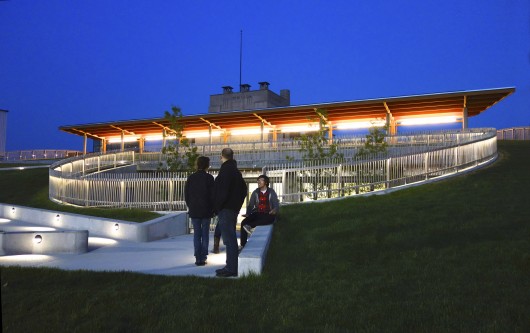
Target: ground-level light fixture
column 37, row 239
column 116, row 227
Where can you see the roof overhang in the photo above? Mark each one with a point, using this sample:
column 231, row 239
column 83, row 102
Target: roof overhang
column 403, row 107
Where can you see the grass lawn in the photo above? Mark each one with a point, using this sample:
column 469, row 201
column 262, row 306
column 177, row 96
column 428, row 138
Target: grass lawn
column 30, row 188
column 452, row 256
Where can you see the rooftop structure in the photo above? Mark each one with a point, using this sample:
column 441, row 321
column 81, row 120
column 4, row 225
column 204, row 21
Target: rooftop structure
column 248, row 99
column 271, row 123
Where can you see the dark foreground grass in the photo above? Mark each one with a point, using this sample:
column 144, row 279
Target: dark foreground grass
column 453, row 256
column 30, row 188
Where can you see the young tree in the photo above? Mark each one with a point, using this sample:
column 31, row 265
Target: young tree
column 318, row 147
column 181, row 156
column 375, row 141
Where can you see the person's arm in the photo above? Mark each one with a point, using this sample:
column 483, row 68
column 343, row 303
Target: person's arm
column 274, row 202
column 251, row 204
column 221, row 188
column 186, row 190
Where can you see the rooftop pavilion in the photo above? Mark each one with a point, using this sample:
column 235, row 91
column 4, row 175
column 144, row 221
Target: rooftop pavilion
column 278, row 123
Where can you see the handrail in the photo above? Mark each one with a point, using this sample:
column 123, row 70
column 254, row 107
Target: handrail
column 96, row 180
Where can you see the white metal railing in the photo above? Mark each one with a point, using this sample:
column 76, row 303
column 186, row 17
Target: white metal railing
column 514, row 133
column 113, row 180
column 38, row 154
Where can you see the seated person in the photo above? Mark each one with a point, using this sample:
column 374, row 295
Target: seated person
column 262, row 208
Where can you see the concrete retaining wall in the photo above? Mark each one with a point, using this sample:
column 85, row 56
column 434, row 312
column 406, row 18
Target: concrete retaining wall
column 169, row 225
column 43, row 242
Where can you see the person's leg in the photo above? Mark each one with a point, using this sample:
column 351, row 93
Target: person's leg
column 264, row 219
column 197, row 232
column 216, row 237
column 227, row 221
column 205, row 238
column 242, row 232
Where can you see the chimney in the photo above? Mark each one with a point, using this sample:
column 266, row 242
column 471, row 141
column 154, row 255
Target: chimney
column 264, row 85
column 286, row 94
column 227, row 90
column 245, row 87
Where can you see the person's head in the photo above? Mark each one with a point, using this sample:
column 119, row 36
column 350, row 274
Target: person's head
column 203, row 163
column 227, row 154
column 263, row 181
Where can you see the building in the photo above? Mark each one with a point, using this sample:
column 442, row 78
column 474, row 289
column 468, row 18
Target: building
column 248, row 99
column 3, row 131
column 233, row 117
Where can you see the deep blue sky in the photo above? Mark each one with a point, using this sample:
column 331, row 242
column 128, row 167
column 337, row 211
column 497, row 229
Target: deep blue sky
column 66, row 62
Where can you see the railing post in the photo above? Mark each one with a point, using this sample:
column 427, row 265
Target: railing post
column 426, row 165
column 388, row 171
column 122, row 193
column 87, row 185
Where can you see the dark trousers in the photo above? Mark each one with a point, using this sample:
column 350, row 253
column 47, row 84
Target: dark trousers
column 253, row 220
column 227, row 224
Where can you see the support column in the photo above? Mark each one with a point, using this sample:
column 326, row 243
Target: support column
column 464, row 118
column 104, row 146
column 122, row 147
column 84, row 144
column 141, row 145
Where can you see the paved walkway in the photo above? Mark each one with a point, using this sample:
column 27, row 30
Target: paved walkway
column 172, row 256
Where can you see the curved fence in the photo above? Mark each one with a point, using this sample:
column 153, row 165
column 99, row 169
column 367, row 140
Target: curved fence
column 38, row 154
column 130, row 179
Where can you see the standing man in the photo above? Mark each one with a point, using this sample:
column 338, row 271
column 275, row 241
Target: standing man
column 198, row 194
column 230, row 191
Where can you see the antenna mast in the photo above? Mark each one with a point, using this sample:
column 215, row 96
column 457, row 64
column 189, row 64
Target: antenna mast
column 240, row 58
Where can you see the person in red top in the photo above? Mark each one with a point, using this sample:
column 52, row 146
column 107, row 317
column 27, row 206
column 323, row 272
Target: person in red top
column 262, row 208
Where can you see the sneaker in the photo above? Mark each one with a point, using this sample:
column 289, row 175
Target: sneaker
column 220, row 270
column 226, row 273
column 200, row 263
column 248, row 229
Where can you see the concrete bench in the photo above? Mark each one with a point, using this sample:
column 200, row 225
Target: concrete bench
column 252, row 257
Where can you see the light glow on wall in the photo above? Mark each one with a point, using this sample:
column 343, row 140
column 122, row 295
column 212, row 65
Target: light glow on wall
column 154, row 138
column 201, row 134
column 25, row 258
column 100, row 241
column 428, row 120
column 360, row 124
column 3, row 220
column 250, row 131
column 300, row 128
column 125, row 139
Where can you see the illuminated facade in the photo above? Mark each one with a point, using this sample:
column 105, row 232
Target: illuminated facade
column 277, row 123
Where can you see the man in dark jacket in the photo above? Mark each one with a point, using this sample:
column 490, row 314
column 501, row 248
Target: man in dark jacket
column 230, row 191
column 198, row 193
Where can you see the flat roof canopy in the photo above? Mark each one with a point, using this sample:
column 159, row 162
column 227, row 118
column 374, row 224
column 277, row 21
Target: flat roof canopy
column 404, row 107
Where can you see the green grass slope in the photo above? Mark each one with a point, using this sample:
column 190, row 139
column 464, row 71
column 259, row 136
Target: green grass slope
column 452, row 256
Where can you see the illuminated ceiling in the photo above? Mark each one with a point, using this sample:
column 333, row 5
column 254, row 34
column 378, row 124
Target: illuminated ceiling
column 405, row 107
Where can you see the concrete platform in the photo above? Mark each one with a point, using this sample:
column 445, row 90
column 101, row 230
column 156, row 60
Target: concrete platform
column 172, row 256
column 169, row 256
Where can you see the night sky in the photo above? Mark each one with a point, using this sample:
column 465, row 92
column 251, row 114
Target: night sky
column 86, row 61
